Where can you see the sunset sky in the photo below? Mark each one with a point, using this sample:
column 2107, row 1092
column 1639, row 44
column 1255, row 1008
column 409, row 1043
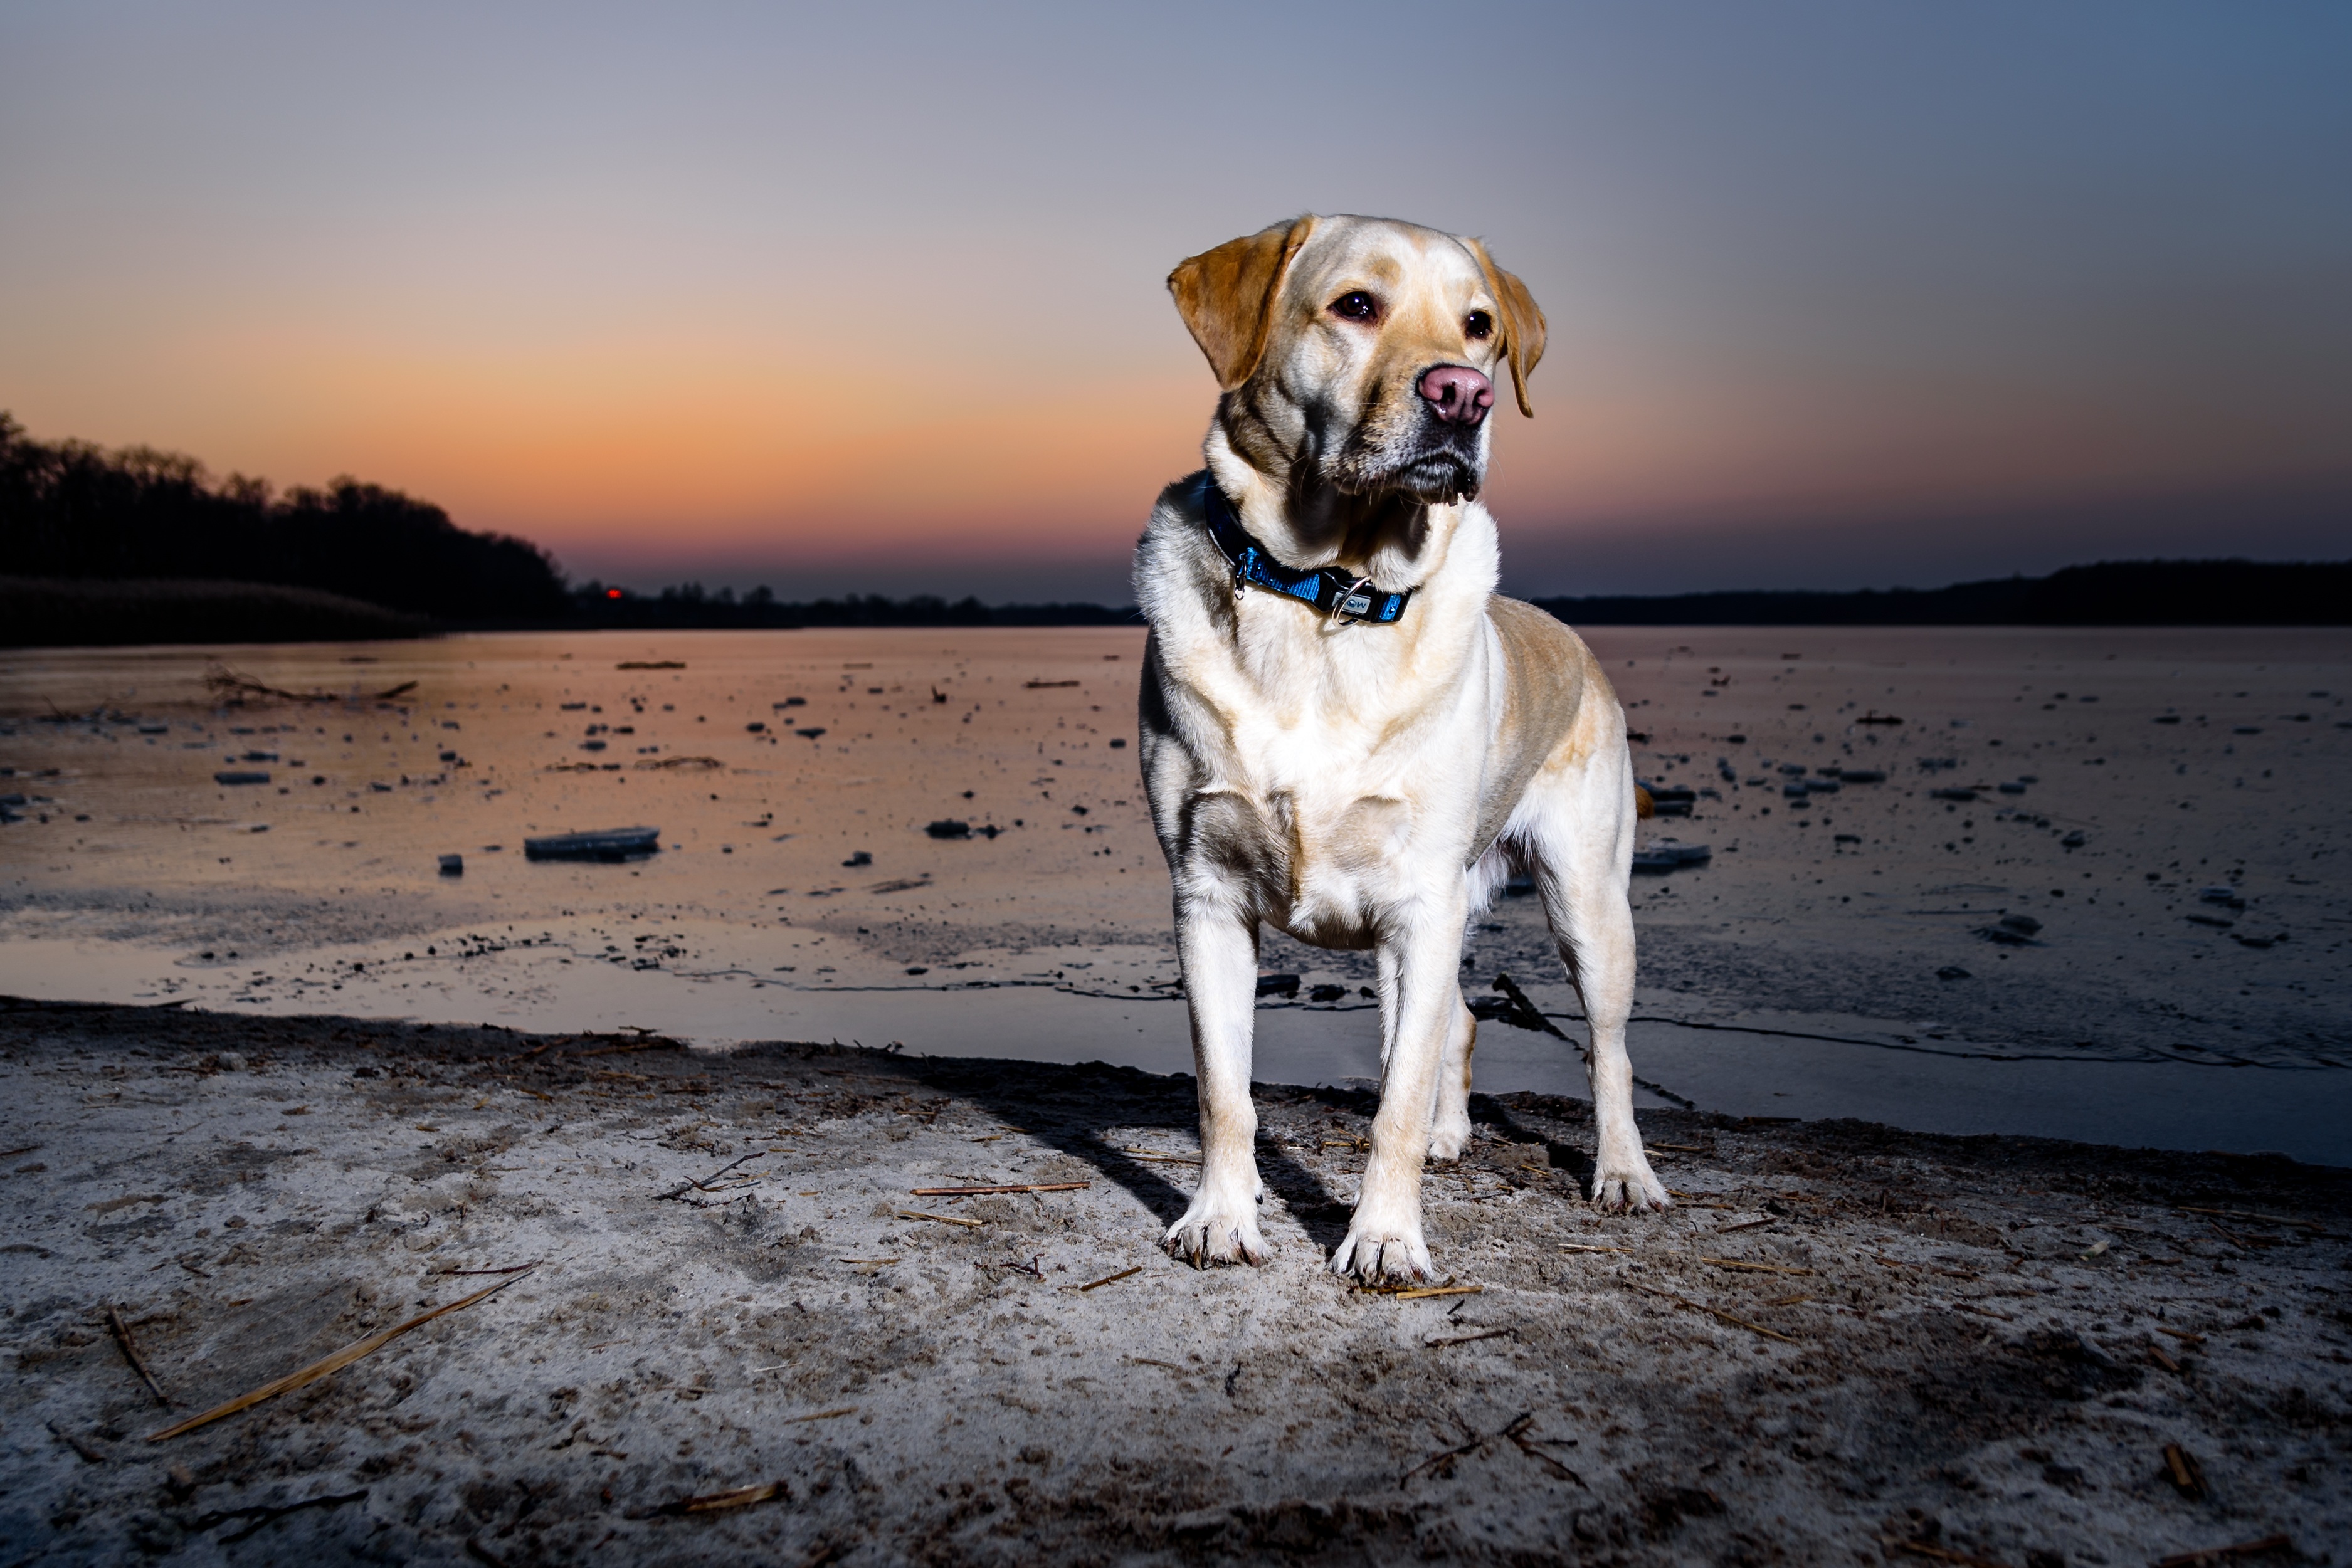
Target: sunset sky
column 870, row 298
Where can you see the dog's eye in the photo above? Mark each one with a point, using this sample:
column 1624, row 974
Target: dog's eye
column 1478, row 324
column 1356, row 306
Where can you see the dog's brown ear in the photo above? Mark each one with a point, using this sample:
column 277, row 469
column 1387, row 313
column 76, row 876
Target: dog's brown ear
column 1226, row 295
column 1523, row 323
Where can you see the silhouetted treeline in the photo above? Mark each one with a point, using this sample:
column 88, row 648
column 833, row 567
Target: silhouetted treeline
column 70, row 509
column 113, row 611
column 687, row 605
column 2110, row 593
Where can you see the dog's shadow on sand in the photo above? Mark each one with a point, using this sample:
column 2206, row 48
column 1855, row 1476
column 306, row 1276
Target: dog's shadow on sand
column 1071, row 1109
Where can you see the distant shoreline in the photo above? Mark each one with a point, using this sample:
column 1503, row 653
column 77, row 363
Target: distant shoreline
column 118, row 612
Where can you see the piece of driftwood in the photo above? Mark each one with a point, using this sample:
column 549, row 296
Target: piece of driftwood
column 228, row 684
column 602, row 844
column 1423, row 1293
column 1111, row 1279
column 131, row 1354
column 987, row 1191
column 2181, row 1468
column 333, row 1363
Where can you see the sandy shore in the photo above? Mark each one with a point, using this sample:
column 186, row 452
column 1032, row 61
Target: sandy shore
column 1846, row 1344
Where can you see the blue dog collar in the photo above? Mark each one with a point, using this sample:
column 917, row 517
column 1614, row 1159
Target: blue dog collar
column 1341, row 595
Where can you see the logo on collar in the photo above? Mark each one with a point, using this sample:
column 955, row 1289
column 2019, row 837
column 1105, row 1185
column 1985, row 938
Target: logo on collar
column 1343, row 596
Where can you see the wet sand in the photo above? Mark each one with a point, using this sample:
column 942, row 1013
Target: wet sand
column 1845, row 1344
column 1829, row 959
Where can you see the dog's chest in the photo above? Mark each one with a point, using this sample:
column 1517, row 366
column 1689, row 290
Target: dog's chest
column 1328, row 828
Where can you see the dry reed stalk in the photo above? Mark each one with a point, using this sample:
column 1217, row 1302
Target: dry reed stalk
column 131, row 1354
column 333, row 1363
column 1713, row 1312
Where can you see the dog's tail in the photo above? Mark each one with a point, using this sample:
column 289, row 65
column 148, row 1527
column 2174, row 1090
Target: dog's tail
column 1644, row 806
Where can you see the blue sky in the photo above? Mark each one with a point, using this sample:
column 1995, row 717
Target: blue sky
column 870, row 298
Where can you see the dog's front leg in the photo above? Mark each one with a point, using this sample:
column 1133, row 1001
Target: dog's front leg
column 1219, row 946
column 1384, row 1240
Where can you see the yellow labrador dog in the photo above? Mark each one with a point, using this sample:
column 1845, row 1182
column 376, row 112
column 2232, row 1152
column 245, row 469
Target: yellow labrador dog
column 1345, row 732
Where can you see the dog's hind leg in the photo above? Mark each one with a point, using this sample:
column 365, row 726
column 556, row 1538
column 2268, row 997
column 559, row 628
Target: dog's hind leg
column 1449, row 1129
column 1580, row 833
column 1219, row 949
column 1384, row 1237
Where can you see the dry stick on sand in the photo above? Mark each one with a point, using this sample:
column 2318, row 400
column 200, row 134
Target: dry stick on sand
column 1442, row 1460
column 1111, row 1279
column 943, row 1218
column 1465, row 1338
column 1527, row 1445
column 333, row 1363
column 1423, row 1293
column 1712, row 1312
column 518, row 1268
column 704, row 1185
column 713, row 1502
column 986, row 1191
column 131, row 1354
column 820, row 1416
column 1754, row 1267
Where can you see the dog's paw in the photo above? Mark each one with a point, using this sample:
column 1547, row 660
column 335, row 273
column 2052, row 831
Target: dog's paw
column 1379, row 1253
column 1216, row 1232
column 1623, row 1181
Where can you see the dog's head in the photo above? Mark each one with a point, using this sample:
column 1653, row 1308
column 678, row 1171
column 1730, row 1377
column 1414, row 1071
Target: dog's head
column 1361, row 352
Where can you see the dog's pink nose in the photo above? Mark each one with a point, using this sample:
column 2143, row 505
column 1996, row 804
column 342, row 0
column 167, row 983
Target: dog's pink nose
column 1458, row 394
